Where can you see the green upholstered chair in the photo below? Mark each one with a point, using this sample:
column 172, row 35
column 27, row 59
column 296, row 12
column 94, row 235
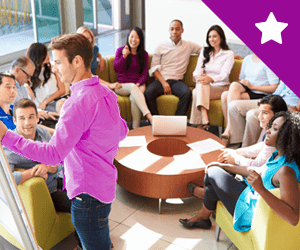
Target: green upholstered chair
column 167, row 104
column 49, row 226
column 268, row 230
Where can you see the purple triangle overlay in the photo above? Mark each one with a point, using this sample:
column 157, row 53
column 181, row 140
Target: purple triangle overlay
column 241, row 16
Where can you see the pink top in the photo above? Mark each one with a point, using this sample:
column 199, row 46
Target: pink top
column 86, row 139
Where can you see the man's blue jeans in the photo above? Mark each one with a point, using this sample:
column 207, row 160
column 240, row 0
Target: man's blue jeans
column 90, row 219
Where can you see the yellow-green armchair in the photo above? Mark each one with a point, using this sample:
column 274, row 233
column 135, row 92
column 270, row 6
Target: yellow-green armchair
column 49, row 226
column 268, row 230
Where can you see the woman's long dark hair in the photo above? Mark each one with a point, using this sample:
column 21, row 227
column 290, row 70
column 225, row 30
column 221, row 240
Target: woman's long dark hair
column 209, row 49
column 288, row 137
column 37, row 52
column 140, row 50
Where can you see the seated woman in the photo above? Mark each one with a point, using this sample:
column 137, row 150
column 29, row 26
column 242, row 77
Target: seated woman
column 131, row 65
column 211, row 75
column 47, row 89
column 255, row 155
column 256, row 80
column 240, row 197
column 97, row 59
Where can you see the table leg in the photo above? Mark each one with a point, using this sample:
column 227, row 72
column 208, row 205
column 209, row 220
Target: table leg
column 159, row 205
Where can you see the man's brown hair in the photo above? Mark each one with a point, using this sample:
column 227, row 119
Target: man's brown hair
column 23, row 103
column 74, row 44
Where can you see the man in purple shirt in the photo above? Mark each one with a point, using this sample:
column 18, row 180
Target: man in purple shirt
column 86, row 140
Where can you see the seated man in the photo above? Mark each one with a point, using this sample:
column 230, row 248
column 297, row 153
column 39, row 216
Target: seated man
column 243, row 115
column 169, row 64
column 8, row 93
column 22, row 68
column 25, row 119
column 256, row 80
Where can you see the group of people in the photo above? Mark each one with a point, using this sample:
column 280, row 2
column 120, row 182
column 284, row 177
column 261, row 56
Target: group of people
column 89, row 127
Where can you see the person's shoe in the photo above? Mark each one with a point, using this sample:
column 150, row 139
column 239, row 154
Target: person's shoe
column 206, row 126
column 191, row 187
column 204, row 224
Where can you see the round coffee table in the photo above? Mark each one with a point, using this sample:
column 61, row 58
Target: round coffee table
column 146, row 171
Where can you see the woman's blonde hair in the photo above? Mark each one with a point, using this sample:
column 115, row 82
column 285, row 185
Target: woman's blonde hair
column 83, row 29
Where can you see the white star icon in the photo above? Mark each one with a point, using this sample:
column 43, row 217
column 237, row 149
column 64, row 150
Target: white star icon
column 271, row 29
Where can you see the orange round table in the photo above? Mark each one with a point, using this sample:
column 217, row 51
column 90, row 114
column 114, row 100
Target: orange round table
column 141, row 170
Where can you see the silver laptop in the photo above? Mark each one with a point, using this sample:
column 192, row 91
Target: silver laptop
column 169, row 125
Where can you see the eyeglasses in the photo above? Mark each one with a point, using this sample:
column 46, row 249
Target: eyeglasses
column 28, row 76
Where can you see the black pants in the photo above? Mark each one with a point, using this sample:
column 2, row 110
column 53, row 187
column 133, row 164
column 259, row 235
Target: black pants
column 220, row 185
column 62, row 203
column 179, row 89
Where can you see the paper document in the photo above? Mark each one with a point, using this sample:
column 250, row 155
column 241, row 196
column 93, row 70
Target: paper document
column 133, row 141
column 205, row 146
column 189, row 160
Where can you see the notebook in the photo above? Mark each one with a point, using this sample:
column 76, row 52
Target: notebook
column 169, row 125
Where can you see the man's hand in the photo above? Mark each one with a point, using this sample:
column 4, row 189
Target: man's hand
column 167, row 88
column 125, row 51
column 40, row 170
column 227, row 156
column 3, row 130
column 254, row 179
column 46, row 115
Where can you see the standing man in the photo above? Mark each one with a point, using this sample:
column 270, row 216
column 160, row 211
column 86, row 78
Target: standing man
column 86, row 139
column 169, row 64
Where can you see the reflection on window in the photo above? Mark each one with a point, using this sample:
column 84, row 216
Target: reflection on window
column 47, row 19
column 16, row 30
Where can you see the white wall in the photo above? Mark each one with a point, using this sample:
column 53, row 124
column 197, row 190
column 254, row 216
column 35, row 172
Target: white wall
column 197, row 18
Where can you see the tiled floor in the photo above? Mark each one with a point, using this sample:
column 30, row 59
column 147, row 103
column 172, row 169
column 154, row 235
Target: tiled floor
column 135, row 224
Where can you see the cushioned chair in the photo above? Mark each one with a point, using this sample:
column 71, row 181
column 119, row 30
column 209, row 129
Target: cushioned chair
column 167, row 104
column 268, row 230
column 49, row 226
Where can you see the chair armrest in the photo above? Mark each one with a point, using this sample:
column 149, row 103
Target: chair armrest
column 269, row 231
column 39, row 206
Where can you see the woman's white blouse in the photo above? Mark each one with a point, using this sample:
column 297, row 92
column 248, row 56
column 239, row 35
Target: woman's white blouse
column 218, row 67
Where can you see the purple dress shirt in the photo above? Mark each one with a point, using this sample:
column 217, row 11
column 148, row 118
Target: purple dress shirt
column 86, row 140
column 131, row 75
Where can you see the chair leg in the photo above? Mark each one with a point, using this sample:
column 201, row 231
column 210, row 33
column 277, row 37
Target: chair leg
column 218, row 231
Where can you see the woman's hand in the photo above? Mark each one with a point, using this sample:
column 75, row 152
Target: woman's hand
column 115, row 85
column 227, row 156
column 204, row 79
column 247, row 83
column 125, row 51
column 43, row 105
column 254, row 179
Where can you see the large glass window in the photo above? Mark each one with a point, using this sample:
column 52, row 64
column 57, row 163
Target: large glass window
column 88, row 13
column 104, row 12
column 16, row 30
column 47, row 19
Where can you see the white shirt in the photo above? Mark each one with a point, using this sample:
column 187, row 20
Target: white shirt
column 218, row 67
column 171, row 60
column 43, row 92
column 255, row 155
